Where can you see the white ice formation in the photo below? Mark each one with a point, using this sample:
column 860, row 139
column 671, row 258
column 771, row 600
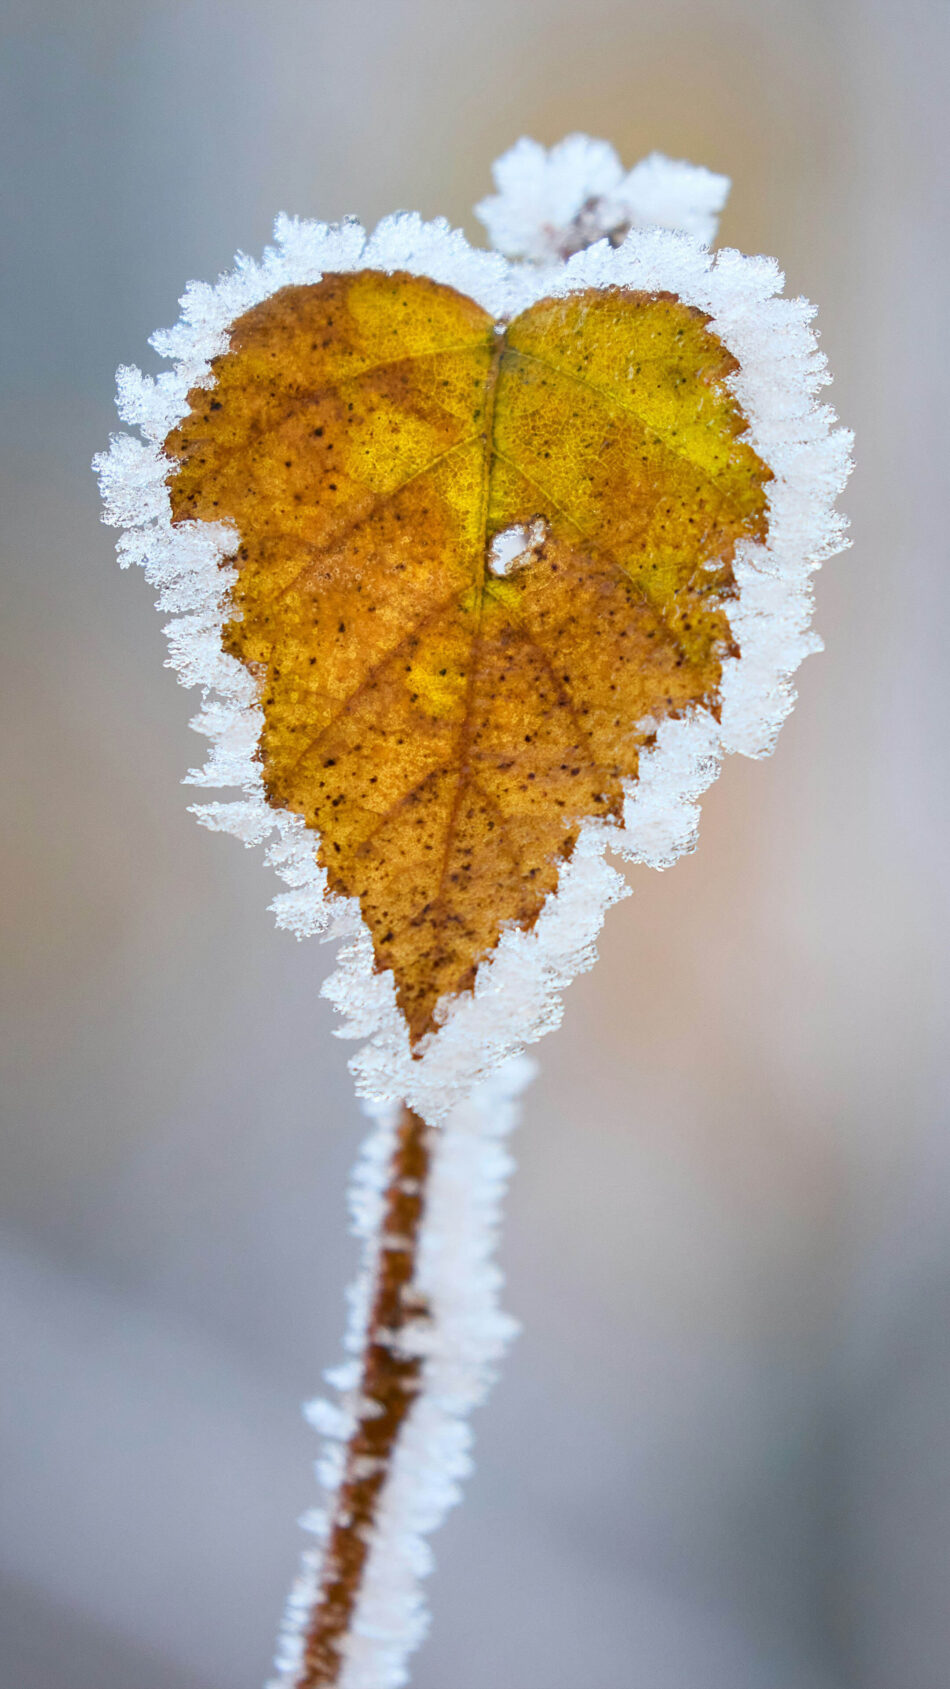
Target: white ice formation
column 518, row 989
column 551, row 203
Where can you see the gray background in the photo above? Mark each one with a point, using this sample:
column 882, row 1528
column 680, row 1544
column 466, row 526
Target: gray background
column 719, row 1457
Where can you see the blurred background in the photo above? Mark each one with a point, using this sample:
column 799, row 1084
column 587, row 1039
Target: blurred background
column 719, row 1456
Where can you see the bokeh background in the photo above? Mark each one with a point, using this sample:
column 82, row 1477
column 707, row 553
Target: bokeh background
column 719, row 1456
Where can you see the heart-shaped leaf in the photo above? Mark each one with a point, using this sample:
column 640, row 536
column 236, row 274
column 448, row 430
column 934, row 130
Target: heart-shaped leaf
column 478, row 565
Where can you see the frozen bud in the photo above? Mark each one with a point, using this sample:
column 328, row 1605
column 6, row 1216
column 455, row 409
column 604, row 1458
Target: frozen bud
column 554, row 202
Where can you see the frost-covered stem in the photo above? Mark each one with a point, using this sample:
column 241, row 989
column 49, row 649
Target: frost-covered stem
column 390, row 1379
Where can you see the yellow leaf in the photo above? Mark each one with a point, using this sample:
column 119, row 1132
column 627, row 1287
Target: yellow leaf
column 478, row 565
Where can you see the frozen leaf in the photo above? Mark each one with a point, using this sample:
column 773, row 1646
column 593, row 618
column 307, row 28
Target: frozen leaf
column 770, row 375
column 480, row 563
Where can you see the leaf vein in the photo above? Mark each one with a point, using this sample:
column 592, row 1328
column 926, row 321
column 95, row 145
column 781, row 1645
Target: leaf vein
column 372, row 675
column 596, row 549
column 354, row 525
column 616, row 402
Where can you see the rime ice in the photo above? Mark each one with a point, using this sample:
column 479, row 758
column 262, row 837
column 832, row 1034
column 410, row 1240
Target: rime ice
column 551, row 204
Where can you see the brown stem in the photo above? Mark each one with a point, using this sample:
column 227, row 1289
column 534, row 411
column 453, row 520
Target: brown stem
column 387, row 1389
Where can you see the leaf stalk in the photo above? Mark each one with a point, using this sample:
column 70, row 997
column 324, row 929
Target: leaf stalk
column 391, row 1375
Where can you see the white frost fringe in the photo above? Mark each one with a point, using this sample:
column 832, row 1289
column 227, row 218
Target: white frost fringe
column 518, row 990
column 461, row 1346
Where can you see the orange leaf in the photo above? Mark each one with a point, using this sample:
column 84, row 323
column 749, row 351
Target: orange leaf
column 478, row 565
